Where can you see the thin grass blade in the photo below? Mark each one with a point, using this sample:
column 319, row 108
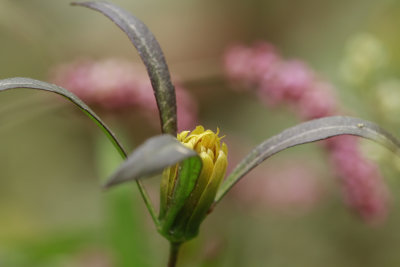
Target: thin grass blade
column 152, row 56
column 14, row 83
column 307, row 132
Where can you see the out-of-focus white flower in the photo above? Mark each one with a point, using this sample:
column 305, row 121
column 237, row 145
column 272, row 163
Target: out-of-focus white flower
column 365, row 54
column 388, row 99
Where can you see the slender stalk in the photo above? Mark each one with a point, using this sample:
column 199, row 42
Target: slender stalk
column 173, row 254
column 142, row 190
column 148, row 203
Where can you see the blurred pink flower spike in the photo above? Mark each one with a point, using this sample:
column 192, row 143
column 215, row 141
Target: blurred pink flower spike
column 245, row 66
column 277, row 81
column 317, row 102
column 115, row 84
column 362, row 183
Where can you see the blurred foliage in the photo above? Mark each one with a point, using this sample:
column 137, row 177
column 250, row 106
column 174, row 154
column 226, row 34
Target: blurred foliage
column 53, row 211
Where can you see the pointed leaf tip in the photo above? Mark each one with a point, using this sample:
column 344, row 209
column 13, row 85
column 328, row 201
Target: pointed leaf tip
column 151, row 158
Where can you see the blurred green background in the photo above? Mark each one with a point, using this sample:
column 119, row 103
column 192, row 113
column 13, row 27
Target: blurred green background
column 52, row 158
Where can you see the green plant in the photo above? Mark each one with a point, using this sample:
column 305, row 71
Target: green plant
column 186, row 175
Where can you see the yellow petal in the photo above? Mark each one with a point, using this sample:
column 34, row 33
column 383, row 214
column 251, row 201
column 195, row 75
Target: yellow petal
column 225, row 148
column 208, row 196
column 206, row 172
column 219, row 168
column 211, row 154
column 199, row 129
column 182, row 135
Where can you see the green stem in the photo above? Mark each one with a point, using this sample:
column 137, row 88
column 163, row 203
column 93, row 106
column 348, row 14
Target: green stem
column 173, row 254
column 148, row 203
column 142, row 190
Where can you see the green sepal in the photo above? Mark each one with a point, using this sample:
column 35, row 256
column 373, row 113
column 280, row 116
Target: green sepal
column 167, row 185
column 188, row 173
column 183, row 218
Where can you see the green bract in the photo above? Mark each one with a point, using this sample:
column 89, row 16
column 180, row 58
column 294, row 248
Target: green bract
column 188, row 189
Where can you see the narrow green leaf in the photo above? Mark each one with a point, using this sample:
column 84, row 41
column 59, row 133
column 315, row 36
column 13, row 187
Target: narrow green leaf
column 151, row 158
column 152, row 56
column 13, row 83
column 307, row 132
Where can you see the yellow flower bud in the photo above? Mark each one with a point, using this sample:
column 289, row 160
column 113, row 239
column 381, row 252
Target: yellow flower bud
column 184, row 222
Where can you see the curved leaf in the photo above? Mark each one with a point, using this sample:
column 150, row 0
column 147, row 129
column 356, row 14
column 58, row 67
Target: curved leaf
column 152, row 56
column 151, row 158
column 307, row 132
column 13, row 83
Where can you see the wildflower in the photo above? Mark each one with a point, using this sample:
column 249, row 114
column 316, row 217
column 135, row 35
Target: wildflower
column 292, row 82
column 188, row 188
column 362, row 183
column 317, row 102
column 180, row 218
column 247, row 65
column 117, row 85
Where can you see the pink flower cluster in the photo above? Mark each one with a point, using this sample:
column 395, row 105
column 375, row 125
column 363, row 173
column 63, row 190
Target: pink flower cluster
column 114, row 84
column 276, row 81
column 261, row 69
column 361, row 178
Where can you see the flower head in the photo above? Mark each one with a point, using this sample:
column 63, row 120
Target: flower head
column 181, row 216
